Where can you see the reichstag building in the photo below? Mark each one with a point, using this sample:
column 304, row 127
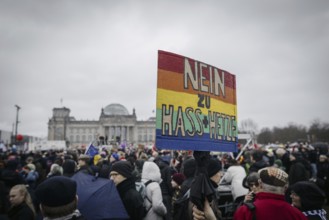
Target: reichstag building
column 115, row 124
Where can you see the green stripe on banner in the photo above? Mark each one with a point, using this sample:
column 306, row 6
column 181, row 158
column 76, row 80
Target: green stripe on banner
column 191, row 122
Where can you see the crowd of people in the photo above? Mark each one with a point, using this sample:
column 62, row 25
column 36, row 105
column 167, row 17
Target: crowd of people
column 265, row 184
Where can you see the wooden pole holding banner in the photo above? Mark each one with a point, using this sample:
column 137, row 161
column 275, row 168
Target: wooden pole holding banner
column 243, row 149
column 237, row 157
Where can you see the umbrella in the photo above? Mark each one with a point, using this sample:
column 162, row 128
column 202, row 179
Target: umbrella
column 323, row 147
column 98, row 198
column 202, row 187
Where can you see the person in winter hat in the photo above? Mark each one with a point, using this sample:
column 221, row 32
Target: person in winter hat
column 121, row 174
column 214, row 171
column 97, row 158
column 182, row 201
column 300, row 170
column 211, row 210
column 83, row 164
column 154, row 202
column 257, row 161
column 188, row 169
column 58, row 198
column 114, row 157
column 69, row 167
column 309, row 198
column 176, row 182
column 177, row 179
column 270, row 202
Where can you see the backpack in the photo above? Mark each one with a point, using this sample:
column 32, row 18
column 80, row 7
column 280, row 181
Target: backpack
column 251, row 207
column 181, row 207
column 141, row 189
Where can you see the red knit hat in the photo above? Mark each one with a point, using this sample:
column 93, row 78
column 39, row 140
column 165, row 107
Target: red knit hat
column 178, row 178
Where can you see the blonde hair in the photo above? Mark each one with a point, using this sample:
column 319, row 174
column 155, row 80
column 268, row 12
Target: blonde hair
column 27, row 198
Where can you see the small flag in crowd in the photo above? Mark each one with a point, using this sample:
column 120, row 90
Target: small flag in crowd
column 91, row 150
column 123, row 145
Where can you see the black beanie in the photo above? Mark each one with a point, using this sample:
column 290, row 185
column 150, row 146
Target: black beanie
column 124, row 168
column 213, row 167
column 56, row 191
column 311, row 196
column 69, row 167
column 189, row 167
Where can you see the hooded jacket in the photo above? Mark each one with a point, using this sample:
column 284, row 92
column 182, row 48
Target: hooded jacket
column 235, row 175
column 153, row 192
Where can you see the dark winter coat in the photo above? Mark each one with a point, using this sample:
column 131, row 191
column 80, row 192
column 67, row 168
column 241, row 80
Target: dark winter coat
column 186, row 185
column 20, row 212
column 286, row 161
column 131, row 199
column 312, row 156
column 87, row 170
column 69, row 167
column 189, row 168
column 10, row 176
column 257, row 166
column 323, row 177
column 298, row 172
column 165, row 185
column 323, row 170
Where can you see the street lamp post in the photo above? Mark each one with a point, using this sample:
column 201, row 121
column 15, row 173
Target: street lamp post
column 17, row 110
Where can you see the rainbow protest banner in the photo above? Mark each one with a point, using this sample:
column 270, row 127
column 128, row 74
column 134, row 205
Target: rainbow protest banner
column 196, row 106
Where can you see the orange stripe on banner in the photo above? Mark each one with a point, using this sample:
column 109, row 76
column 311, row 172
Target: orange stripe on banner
column 175, row 82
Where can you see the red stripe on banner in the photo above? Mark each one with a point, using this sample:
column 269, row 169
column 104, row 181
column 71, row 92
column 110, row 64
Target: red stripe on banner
column 175, row 63
column 171, row 62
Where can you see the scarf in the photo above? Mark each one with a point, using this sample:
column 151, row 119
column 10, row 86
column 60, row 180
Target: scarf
column 75, row 214
column 321, row 213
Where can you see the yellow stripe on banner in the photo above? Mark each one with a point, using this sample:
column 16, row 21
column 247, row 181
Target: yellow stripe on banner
column 185, row 100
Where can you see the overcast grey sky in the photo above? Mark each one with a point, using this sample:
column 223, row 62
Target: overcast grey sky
column 94, row 53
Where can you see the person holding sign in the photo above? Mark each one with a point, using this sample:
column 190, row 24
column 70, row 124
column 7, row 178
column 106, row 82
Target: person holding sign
column 210, row 209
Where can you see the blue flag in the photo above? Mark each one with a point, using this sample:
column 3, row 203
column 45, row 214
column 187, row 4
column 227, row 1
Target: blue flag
column 92, row 150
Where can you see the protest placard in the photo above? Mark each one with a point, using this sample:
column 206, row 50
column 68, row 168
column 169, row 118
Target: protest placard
column 196, row 105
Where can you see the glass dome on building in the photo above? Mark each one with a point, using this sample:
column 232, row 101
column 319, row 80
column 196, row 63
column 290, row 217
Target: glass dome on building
column 115, row 109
